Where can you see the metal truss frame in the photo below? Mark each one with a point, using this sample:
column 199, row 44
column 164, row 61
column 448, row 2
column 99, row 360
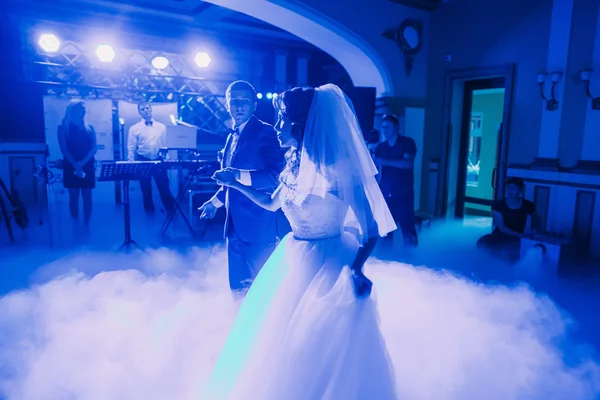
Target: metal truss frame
column 74, row 71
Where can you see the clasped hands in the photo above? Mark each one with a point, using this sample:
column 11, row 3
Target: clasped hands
column 226, row 176
column 79, row 169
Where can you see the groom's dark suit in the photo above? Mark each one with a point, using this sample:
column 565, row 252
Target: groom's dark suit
column 250, row 230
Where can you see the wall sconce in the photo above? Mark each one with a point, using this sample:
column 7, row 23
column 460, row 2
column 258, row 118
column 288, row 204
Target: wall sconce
column 551, row 103
column 586, row 77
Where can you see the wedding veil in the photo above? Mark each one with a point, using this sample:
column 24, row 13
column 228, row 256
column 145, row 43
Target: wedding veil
column 335, row 159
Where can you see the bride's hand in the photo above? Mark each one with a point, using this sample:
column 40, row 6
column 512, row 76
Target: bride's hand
column 362, row 284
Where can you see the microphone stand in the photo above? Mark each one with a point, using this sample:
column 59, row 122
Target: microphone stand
column 44, row 176
column 122, row 139
column 121, row 187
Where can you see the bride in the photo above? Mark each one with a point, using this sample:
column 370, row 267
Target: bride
column 308, row 327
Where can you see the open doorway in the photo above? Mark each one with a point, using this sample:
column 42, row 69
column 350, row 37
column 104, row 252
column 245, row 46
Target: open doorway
column 474, row 157
column 481, row 135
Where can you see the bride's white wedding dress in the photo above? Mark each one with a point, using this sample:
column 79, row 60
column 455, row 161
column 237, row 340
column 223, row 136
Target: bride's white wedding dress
column 300, row 332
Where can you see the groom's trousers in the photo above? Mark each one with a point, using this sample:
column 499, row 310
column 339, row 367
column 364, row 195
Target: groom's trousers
column 246, row 259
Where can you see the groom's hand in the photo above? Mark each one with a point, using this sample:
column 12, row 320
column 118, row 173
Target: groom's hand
column 227, row 175
column 207, row 210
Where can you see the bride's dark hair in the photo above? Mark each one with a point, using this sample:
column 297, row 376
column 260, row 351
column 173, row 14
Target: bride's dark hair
column 294, row 104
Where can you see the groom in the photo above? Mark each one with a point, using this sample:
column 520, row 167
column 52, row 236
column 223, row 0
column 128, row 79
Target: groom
column 253, row 157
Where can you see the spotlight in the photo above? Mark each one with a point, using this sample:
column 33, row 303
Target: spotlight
column 275, row 95
column 259, row 96
column 105, row 53
column 269, row 95
column 160, row 62
column 49, row 43
column 202, row 59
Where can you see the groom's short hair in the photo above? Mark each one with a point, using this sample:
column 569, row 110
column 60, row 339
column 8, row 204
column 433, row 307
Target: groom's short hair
column 241, row 86
column 390, row 118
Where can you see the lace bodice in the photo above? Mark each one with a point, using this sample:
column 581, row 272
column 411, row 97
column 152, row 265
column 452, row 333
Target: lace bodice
column 312, row 217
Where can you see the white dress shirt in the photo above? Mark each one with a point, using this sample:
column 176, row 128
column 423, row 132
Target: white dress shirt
column 146, row 140
column 245, row 178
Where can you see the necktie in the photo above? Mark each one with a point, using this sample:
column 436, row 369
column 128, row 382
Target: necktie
column 148, row 123
column 235, row 135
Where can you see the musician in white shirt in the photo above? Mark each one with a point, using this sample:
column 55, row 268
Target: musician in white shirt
column 144, row 141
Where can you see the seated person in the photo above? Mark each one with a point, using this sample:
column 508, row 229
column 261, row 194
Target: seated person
column 512, row 220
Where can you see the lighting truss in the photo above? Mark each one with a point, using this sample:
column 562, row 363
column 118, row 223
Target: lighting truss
column 74, row 71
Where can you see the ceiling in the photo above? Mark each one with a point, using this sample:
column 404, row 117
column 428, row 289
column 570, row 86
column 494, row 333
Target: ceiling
column 198, row 10
column 172, row 15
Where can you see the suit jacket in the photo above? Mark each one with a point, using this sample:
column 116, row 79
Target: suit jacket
column 257, row 151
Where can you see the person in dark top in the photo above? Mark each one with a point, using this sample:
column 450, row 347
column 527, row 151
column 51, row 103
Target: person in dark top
column 77, row 141
column 512, row 220
column 395, row 159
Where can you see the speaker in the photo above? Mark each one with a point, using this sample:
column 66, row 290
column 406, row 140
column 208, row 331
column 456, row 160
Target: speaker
column 23, row 115
column 363, row 100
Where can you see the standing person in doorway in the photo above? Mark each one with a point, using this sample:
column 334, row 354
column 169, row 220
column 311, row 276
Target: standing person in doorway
column 395, row 159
